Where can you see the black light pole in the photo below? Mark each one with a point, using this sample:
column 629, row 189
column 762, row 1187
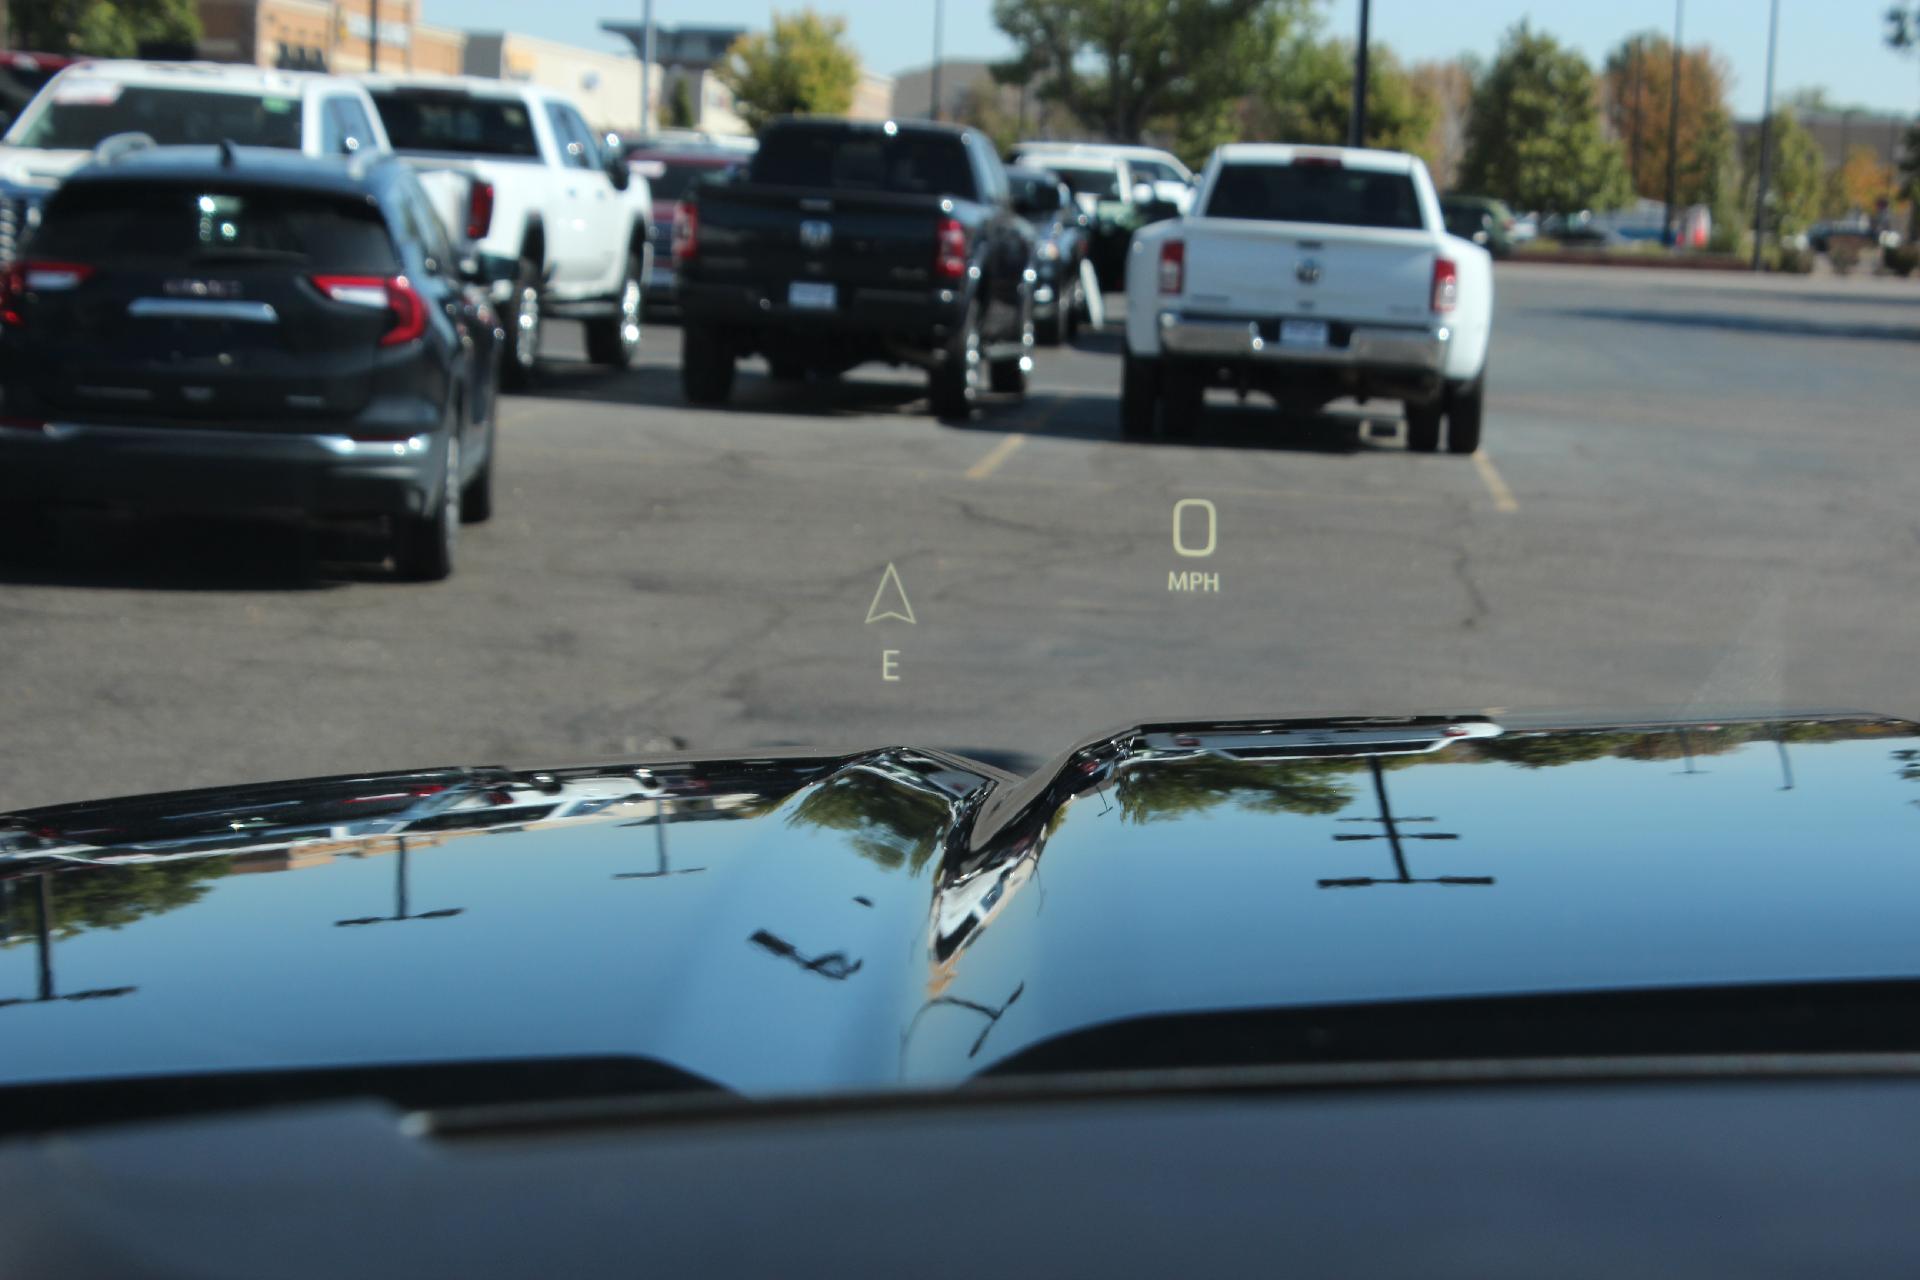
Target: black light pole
column 401, row 908
column 1672, row 232
column 373, row 35
column 1357, row 130
column 939, row 21
column 47, row 990
column 1766, row 143
column 1393, row 835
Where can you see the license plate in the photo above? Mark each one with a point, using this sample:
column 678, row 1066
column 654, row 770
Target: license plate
column 805, row 295
column 1303, row 333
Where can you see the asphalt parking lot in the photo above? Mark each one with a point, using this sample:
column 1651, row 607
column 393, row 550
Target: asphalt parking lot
column 1698, row 492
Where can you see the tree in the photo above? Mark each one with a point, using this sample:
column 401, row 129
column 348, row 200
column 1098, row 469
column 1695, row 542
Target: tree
column 1534, row 136
column 1637, row 87
column 981, row 106
column 101, row 28
column 1306, row 95
column 887, row 821
column 679, row 105
column 802, row 66
column 1178, row 788
column 1903, row 27
column 108, row 897
column 1857, row 183
column 1122, row 66
column 1448, row 88
column 1796, row 178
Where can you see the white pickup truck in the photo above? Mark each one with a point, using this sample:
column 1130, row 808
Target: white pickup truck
column 554, row 219
column 1309, row 274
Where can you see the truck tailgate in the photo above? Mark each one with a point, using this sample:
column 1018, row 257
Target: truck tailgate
column 449, row 186
column 773, row 237
column 1355, row 274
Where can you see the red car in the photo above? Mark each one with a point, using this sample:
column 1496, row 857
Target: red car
column 670, row 172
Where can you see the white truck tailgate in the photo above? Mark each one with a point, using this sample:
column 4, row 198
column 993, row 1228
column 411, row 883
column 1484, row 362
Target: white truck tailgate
column 1354, row 274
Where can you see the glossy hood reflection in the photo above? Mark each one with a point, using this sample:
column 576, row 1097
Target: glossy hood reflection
column 816, row 923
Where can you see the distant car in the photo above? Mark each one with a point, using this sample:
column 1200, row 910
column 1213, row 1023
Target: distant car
column 231, row 329
column 1105, row 188
column 671, row 173
column 1172, row 181
column 1060, row 250
column 21, row 76
column 562, row 229
column 173, row 103
column 1821, row 235
column 1488, row 223
column 854, row 240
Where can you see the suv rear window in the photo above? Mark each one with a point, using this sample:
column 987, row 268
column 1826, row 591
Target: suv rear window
column 672, row 179
column 908, row 162
column 1311, row 192
column 152, row 224
column 74, row 114
column 424, row 120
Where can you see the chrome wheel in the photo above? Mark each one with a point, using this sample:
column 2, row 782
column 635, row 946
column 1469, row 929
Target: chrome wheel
column 450, row 502
column 526, row 327
column 630, row 315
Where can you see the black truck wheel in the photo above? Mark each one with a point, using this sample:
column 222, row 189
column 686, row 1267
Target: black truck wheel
column 1139, row 397
column 953, row 386
column 1464, row 405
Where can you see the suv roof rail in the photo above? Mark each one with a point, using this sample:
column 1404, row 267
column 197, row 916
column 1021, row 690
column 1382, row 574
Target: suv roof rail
column 114, row 146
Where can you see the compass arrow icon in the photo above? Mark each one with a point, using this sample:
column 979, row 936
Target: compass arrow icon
column 890, row 599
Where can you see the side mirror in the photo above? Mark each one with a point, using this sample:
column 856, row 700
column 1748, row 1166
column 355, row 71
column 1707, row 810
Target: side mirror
column 618, row 173
column 1143, row 193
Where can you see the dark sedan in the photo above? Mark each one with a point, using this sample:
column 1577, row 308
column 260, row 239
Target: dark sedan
column 227, row 329
column 1060, row 235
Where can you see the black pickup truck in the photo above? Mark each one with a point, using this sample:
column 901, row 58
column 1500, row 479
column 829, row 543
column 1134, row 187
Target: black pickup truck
column 849, row 241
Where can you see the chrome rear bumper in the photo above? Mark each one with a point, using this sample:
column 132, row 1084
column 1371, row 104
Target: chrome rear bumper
column 1418, row 347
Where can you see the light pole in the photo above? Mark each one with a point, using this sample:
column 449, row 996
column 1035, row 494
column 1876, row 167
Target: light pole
column 1357, row 129
column 939, row 21
column 1766, row 142
column 1390, row 823
column 646, row 69
column 1671, row 232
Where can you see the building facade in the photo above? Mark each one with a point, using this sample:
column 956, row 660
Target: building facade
column 605, row 85
column 335, row 35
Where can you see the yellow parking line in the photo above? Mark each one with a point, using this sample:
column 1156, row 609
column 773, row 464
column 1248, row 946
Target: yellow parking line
column 995, row 456
column 1502, row 496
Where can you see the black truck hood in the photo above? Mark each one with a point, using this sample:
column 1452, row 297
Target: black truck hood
column 805, row 924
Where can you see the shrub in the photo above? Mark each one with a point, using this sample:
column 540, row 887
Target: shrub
column 1791, row 261
column 1901, row 259
column 1843, row 254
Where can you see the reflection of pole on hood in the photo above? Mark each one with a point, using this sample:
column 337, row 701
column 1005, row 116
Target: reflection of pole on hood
column 400, row 911
column 43, row 945
column 1786, row 764
column 1393, row 836
column 833, row 964
column 661, row 814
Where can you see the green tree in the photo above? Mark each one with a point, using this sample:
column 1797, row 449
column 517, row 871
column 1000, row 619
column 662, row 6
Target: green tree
column 1124, row 66
column 680, row 105
column 1175, row 788
column 107, row 897
column 886, row 821
column 981, row 107
column 1534, row 137
column 1796, row 179
column 1306, row 95
column 802, row 66
column 101, row 28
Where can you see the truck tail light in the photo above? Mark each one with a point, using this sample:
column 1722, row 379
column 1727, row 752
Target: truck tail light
column 1446, row 285
column 1173, row 266
column 22, row 278
column 686, row 231
column 405, row 308
column 479, row 210
column 950, row 250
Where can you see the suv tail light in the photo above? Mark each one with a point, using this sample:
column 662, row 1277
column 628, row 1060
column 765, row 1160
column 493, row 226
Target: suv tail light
column 686, row 231
column 1173, row 266
column 22, row 278
column 406, row 309
column 950, row 250
column 1446, row 284
column 479, row 210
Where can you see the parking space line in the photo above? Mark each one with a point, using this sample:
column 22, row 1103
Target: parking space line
column 995, row 456
column 1503, row 499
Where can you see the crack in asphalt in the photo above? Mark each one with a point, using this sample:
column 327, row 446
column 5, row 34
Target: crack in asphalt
column 1463, row 570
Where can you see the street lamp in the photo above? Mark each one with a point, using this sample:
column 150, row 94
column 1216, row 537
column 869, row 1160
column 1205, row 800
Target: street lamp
column 43, row 943
column 1671, row 232
column 400, row 910
column 1392, row 834
column 939, row 21
column 1357, row 128
column 1766, row 141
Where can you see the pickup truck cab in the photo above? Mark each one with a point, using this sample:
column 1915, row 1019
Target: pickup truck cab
column 553, row 218
column 1171, row 180
column 172, row 104
column 1309, row 274
column 848, row 241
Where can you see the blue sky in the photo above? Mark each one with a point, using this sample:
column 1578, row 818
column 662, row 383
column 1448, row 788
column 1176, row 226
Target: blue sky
column 1835, row 43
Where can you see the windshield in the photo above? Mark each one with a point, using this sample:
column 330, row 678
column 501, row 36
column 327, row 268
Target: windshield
column 1101, row 184
column 79, row 112
column 1327, row 194
column 834, row 541
column 456, row 123
column 843, row 160
column 20, row 79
